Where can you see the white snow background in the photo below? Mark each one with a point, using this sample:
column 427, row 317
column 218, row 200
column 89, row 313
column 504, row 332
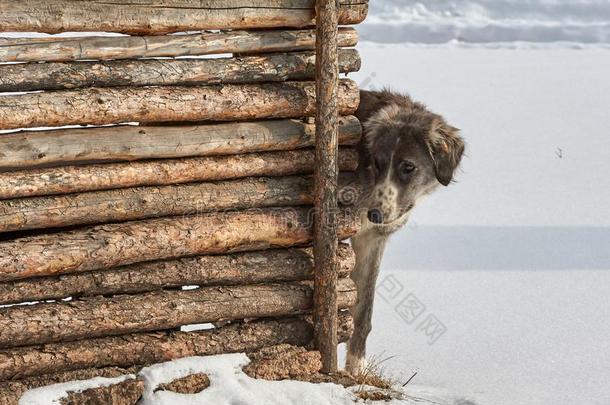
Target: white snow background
column 512, row 263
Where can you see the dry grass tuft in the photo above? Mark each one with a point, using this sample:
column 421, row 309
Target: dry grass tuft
column 376, row 375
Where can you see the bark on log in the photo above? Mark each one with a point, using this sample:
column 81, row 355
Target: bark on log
column 148, row 348
column 283, row 362
column 107, row 246
column 76, row 179
column 64, row 49
column 130, row 204
column 163, row 72
column 191, row 384
column 270, row 266
column 98, row 317
column 11, row 391
column 161, row 104
column 325, row 178
column 127, row 392
column 144, row 17
column 128, row 142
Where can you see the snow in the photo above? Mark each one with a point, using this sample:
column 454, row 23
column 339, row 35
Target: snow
column 488, row 21
column 536, row 122
column 512, row 261
column 52, row 394
column 229, row 385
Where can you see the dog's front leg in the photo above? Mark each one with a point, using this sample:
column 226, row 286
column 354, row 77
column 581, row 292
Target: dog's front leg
column 369, row 247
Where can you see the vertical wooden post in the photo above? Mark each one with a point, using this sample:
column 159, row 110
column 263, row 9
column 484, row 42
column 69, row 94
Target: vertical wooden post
column 325, row 175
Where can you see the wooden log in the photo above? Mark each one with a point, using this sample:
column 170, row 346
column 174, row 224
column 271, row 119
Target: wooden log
column 76, row 179
column 63, row 49
column 269, row 266
column 128, row 142
column 164, row 72
column 98, row 317
column 144, row 17
column 229, row 102
column 191, row 384
column 127, row 392
column 129, row 204
column 100, row 207
column 148, row 348
column 283, row 362
column 11, row 391
column 325, row 178
column 107, row 246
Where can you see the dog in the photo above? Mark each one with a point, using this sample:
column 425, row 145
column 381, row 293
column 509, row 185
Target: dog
column 406, row 152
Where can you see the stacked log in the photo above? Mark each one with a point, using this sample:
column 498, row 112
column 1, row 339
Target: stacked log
column 258, row 267
column 146, row 185
column 143, row 17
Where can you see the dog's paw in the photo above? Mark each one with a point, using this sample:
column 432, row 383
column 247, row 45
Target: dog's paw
column 355, row 365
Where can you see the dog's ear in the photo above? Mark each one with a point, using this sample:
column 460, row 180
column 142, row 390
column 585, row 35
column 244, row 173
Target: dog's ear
column 446, row 148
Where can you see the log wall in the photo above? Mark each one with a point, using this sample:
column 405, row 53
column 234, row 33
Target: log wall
column 151, row 181
column 160, row 17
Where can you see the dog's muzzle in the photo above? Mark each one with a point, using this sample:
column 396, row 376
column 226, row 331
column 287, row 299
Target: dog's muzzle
column 375, row 216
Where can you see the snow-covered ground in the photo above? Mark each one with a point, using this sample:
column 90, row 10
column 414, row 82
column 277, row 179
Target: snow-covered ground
column 488, row 21
column 508, row 270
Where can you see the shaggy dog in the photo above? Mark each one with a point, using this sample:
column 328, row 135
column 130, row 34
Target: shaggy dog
column 406, row 153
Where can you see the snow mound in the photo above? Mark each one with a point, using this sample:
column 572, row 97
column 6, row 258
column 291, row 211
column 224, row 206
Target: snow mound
column 52, row 394
column 229, row 385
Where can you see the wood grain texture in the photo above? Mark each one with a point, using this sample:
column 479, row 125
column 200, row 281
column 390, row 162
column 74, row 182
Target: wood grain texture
column 325, row 184
column 165, row 72
column 100, row 207
column 77, row 179
column 63, row 49
column 267, row 266
column 155, row 347
column 108, row 246
column 229, row 102
column 159, row 17
column 128, row 142
column 98, row 317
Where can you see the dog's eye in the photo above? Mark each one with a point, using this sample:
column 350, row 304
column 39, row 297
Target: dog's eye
column 405, row 169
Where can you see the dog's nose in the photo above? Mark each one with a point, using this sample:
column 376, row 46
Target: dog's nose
column 375, row 216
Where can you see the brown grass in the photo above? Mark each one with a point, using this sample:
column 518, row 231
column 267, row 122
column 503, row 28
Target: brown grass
column 376, row 375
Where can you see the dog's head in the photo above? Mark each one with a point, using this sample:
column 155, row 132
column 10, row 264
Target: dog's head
column 407, row 151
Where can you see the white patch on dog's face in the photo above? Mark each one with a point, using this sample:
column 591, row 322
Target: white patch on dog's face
column 385, row 196
column 401, row 171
